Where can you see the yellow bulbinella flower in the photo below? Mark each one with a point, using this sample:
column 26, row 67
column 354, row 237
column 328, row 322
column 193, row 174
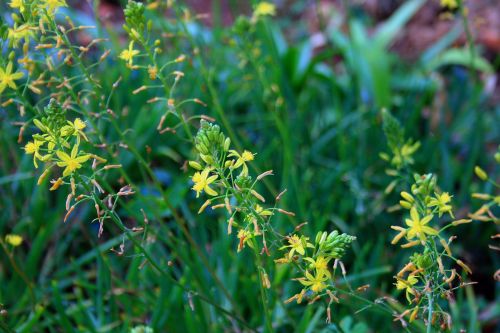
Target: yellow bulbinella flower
column 264, row 9
column 404, row 155
column 450, row 4
column 71, row 162
column 441, row 201
column 407, row 285
column 53, row 5
column 297, row 244
column 315, row 282
column 13, row 239
column 74, row 128
column 418, row 227
column 128, row 55
column 19, row 4
column 16, row 34
column 202, row 182
column 320, row 265
column 7, row 78
column 241, row 160
column 34, row 148
column 261, row 211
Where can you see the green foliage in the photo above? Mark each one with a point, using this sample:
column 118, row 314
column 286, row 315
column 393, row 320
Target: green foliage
column 311, row 114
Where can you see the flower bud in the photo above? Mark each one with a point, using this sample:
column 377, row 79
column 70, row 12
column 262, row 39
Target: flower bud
column 480, row 173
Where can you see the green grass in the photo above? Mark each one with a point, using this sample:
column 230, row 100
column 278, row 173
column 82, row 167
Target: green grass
column 312, row 116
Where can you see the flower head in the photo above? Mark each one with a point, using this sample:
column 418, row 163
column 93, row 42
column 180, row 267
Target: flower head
column 264, row 9
column 320, row 264
column 441, row 201
column 407, row 285
column 202, row 182
column 128, row 55
column 33, row 148
column 53, row 5
column 74, row 128
column 297, row 244
column 241, row 160
column 71, row 162
column 449, row 4
column 418, row 227
column 7, row 78
column 19, row 4
column 315, row 282
column 13, row 239
column 261, row 211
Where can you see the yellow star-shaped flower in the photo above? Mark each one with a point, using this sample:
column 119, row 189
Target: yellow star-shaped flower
column 71, row 162
column 129, row 54
column 7, row 78
column 418, row 227
column 441, row 201
column 74, row 128
column 407, row 285
column 315, row 282
column 202, row 182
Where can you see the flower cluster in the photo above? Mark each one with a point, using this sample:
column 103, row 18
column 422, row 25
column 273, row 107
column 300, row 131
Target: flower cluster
column 58, row 144
column 402, row 151
column 223, row 174
column 313, row 260
column 429, row 275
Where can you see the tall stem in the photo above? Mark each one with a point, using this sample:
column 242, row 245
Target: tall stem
column 263, row 295
column 430, row 309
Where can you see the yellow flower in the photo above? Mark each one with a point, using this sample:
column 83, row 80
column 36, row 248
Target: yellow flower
column 7, row 78
column 202, row 181
column 264, row 8
column 441, row 202
column 407, row 285
column 316, row 282
column 297, row 244
column 320, row 265
column 17, row 4
column 261, row 211
column 418, row 227
column 15, row 34
column 72, row 162
column 13, row 239
column 241, row 160
column 53, row 5
column 450, row 4
column 74, row 128
column 128, row 55
column 34, row 148
column 403, row 155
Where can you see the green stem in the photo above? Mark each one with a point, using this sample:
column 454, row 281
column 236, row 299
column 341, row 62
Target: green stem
column 430, row 305
column 144, row 164
column 263, row 295
column 117, row 221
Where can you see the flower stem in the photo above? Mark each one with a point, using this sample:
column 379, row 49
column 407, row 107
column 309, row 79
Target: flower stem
column 430, row 305
column 263, row 296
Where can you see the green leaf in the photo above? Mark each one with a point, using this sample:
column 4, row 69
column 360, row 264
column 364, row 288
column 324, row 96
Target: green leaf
column 461, row 57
